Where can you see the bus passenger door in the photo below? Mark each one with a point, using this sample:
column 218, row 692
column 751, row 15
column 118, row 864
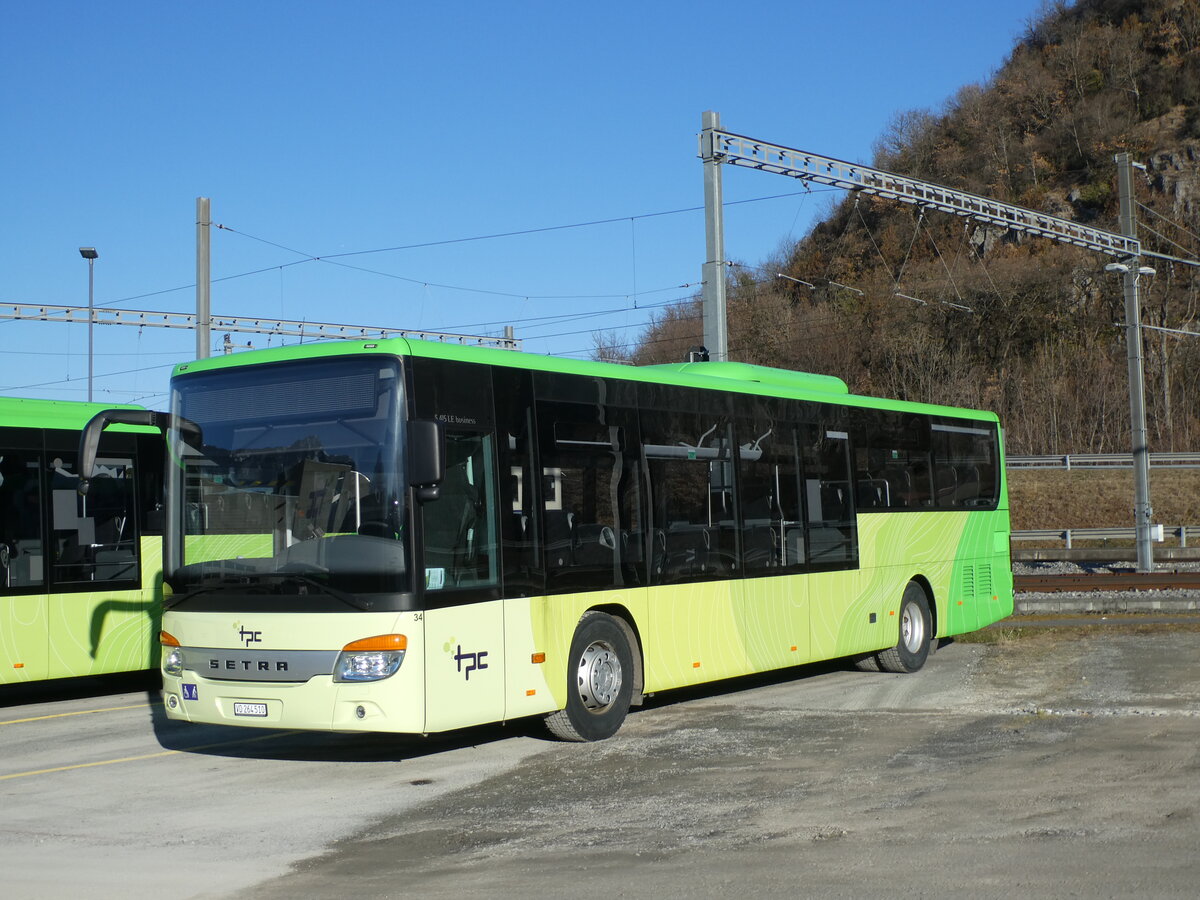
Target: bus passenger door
column 24, row 642
column 464, row 620
column 99, row 618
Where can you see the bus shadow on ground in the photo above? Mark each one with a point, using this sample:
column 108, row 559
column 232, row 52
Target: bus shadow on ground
column 772, row 678
column 318, row 746
column 80, row 688
column 232, row 742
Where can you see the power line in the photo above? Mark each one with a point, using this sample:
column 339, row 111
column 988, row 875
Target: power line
column 23, row 387
column 1170, row 222
column 483, row 237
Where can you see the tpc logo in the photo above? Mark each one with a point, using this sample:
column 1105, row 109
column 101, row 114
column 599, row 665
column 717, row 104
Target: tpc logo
column 248, row 636
column 474, row 661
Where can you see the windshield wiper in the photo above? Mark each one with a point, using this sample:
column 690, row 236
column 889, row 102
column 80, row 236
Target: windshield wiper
column 255, row 582
column 209, row 584
column 294, row 578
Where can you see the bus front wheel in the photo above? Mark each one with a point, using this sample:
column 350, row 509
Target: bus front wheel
column 599, row 681
column 912, row 649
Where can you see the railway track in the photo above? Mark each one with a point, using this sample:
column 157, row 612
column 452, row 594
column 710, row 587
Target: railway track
column 1121, row 581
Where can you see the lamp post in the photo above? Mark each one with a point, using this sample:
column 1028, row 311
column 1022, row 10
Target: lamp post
column 90, row 254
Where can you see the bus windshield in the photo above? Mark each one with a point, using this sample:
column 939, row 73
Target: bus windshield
column 296, row 485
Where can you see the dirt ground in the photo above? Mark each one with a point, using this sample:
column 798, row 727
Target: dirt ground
column 1051, row 764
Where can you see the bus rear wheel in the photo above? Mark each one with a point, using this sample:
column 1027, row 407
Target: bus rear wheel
column 912, row 649
column 599, row 681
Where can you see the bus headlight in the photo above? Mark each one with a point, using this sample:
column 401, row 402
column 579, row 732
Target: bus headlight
column 172, row 663
column 371, row 659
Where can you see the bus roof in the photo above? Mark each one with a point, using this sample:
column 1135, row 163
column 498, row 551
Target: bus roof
column 19, row 412
column 725, row 376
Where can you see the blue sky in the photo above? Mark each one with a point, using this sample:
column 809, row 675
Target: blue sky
column 322, row 128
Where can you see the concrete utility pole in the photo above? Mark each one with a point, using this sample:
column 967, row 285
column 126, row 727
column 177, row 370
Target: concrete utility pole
column 716, row 333
column 203, row 278
column 1131, row 270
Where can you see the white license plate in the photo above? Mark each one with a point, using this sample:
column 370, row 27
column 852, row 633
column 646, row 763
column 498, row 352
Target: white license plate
column 250, row 709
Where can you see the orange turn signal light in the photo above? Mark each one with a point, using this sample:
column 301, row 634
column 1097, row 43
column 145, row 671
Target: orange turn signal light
column 167, row 639
column 381, row 642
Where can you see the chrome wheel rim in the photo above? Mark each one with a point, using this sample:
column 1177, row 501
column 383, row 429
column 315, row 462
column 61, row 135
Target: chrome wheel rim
column 912, row 628
column 598, row 677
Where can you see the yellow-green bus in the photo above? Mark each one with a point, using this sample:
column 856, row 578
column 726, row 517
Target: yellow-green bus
column 80, row 583
column 412, row 537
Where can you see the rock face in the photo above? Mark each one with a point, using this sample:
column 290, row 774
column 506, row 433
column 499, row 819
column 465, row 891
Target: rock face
column 1176, row 173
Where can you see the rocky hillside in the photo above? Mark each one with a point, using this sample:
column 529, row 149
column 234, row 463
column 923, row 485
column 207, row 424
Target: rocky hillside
column 916, row 305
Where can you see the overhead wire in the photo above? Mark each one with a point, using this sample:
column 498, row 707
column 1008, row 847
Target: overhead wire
column 1171, row 222
column 1166, row 239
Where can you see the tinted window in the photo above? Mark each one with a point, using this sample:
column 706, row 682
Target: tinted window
column 516, row 443
column 829, row 497
column 772, row 491
column 589, row 492
column 892, row 464
column 966, row 467
column 688, row 452
column 22, row 556
column 93, row 536
column 461, row 551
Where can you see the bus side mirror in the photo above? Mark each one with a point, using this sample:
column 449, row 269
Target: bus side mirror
column 426, row 458
column 89, row 439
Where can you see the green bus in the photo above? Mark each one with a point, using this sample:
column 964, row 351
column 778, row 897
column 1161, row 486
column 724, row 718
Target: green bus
column 413, row 537
column 80, row 578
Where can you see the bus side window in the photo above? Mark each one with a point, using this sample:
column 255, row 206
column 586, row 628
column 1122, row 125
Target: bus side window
column 965, row 460
column 458, row 527
column 893, row 468
column 523, row 572
column 829, row 497
column 689, row 459
column 591, row 507
column 772, row 513
column 21, row 553
column 94, row 536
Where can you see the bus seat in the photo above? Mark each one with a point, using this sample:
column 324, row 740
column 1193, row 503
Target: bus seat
column 758, row 547
column 115, row 565
column 793, row 546
column 827, row 544
column 946, row 485
column 687, row 548
column 968, row 485
column 594, row 545
column 559, row 544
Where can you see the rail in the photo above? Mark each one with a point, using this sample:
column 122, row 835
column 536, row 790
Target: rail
column 1117, row 581
column 1159, row 533
column 1100, row 461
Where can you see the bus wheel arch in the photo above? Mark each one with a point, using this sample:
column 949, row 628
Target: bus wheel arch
column 914, row 632
column 625, row 620
column 600, row 679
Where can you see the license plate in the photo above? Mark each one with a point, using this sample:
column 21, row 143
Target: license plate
column 250, row 709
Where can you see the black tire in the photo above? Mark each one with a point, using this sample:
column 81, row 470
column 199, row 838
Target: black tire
column 599, row 681
column 868, row 663
column 912, row 649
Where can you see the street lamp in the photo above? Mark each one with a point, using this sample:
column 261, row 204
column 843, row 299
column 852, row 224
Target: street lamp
column 90, row 254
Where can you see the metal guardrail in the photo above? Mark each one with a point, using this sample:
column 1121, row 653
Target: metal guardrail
column 1100, row 461
column 1159, row 534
